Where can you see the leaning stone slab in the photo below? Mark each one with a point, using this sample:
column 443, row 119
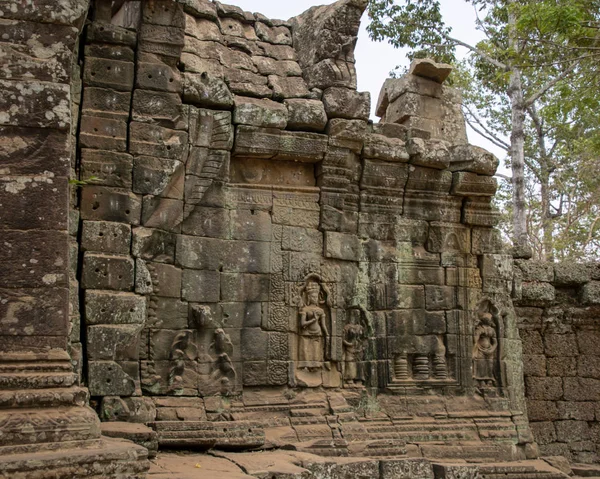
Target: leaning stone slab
column 427, row 68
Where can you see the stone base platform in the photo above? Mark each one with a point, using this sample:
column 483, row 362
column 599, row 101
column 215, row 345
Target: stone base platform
column 342, row 424
column 293, row 464
column 104, row 458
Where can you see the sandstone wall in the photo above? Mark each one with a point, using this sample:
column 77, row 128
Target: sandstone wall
column 559, row 312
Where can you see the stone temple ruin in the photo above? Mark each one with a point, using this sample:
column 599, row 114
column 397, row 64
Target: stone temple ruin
column 246, row 262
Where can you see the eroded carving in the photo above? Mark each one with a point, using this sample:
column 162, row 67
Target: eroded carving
column 313, row 337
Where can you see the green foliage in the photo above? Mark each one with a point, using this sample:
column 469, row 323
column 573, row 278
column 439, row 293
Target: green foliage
column 554, row 47
column 80, row 183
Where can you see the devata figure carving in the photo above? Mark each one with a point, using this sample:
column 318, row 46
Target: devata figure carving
column 485, row 347
column 353, row 339
column 314, row 334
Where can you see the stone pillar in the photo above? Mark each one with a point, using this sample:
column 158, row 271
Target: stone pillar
column 42, row 407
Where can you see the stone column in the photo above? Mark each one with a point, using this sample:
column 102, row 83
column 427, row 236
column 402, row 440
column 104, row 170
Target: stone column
column 42, row 407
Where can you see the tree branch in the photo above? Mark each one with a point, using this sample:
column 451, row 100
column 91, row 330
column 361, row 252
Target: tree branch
column 487, row 133
column 538, row 94
column 482, row 134
column 478, row 52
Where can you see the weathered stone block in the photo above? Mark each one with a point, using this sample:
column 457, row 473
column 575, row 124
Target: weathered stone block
column 158, row 76
column 570, row 431
column 155, row 140
column 473, row 159
column 590, row 293
column 301, row 239
column 41, row 104
column 428, row 153
column 544, row 388
column 283, row 68
column 162, row 213
column 254, row 344
column 106, row 73
column 346, row 103
column 102, row 32
column 562, row 367
column 542, row 410
column 255, row 373
column 429, row 69
column 534, row 365
column 108, row 103
column 278, row 35
column 167, row 313
column 24, row 202
column 107, row 272
column 47, row 305
column 163, row 13
column 581, row 389
column 383, row 148
column 107, row 307
column 206, row 89
column 201, row 286
column 106, row 237
column 561, row 345
column 33, row 259
column 166, row 280
column 569, row 273
column 306, row 115
column 471, row 184
column 106, row 168
column 288, row 87
column 349, row 134
column 113, row 342
column 29, row 151
column 265, row 113
column 342, row 246
column 536, row 270
column 244, row 287
column 479, row 211
column 440, row 297
column 111, row 378
column 110, row 204
column 251, row 225
column 161, row 108
column 103, row 133
column 211, row 129
column 158, row 177
column 278, row 144
column 537, row 293
column 579, row 411
column 413, row 468
column 544, row 432
column 448, row 237
column 112, row 52
column 486, row 240
column 153, row 244
column 161, row 42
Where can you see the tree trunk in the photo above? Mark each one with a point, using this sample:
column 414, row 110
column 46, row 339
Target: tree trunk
column 517, row 160
column 517, row 143
column 547, row 226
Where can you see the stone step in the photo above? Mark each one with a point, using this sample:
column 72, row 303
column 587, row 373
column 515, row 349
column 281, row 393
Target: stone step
column 586, row 470
column 137, row 433
column 208, row 434
column 105, row 459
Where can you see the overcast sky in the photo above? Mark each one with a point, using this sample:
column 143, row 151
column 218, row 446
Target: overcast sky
column 375, row 60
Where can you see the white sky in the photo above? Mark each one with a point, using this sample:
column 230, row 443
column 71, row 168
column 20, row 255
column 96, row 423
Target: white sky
column 375, row 60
